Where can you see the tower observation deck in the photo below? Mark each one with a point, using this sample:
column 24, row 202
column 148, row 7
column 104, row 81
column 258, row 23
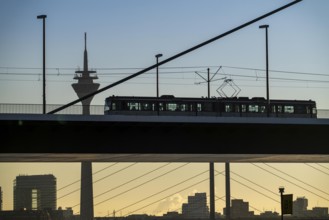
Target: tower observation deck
column 85, row 84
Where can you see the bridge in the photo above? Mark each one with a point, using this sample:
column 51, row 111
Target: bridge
column 111, row 138
column 64, row 138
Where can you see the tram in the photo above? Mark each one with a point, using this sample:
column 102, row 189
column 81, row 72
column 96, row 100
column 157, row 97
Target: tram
column 169, row 105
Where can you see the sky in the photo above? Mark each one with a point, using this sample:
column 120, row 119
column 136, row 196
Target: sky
column 124, row 37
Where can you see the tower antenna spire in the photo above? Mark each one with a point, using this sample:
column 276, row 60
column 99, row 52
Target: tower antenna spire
column 85, row 40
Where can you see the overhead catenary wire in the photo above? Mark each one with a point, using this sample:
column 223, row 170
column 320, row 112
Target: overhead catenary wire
column 163, row 68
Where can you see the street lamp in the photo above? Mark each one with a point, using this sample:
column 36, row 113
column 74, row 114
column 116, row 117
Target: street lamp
column 267, row 80
column 43, row 17
column 281, row 190
column 157, row 58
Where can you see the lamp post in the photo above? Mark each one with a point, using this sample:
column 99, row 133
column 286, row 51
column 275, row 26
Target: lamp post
column 157, row 58
column 281, row 190
column 43, row 17
column 267, row 80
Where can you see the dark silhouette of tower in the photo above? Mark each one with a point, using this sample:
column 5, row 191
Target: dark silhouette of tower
column 85, row 83
column 85, row 86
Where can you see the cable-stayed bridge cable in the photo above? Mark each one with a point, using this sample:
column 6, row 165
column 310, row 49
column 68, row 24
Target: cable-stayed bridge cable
column 290, row 182
column 297, row 179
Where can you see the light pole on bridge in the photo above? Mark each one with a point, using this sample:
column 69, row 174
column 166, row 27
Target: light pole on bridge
column 267, row 79
column 43, row 17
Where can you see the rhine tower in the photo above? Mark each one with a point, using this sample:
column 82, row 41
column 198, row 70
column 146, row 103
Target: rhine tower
column 83, row 87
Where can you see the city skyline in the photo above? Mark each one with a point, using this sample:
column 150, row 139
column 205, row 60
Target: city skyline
column 262, row 193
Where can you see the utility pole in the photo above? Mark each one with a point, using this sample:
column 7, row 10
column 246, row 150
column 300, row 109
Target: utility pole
column 208, row 80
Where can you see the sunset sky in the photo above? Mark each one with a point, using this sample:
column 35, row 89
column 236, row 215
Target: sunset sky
column 123, row 37
column 162, row 187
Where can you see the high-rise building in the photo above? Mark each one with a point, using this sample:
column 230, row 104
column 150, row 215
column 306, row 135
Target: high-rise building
column 239, row 209
column 35, row 192
column 300, row 206
column 196, row 206
column 320, row 212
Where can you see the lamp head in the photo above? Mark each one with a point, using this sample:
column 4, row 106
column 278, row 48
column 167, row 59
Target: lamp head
column 158, row 55
column 281, row 189
column 264, row 26
column 41, row 16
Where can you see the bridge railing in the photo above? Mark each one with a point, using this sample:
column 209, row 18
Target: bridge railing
column 37, row 109
column 77, row 109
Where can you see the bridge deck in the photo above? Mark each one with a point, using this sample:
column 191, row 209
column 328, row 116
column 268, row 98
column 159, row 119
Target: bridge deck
column 174, row 138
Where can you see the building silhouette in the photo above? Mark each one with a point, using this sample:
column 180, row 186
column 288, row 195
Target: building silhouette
column 320, row 212
column 196, row 206
column 300, row 207
column 36, row 192
column 83, row 87
column 239, row 209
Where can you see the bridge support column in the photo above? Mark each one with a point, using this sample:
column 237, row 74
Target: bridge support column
column 86, row 192
column 212, row 190
column 228, row 191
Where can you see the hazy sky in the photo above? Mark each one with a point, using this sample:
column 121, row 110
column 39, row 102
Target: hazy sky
column 124, row 36
column 128, row 34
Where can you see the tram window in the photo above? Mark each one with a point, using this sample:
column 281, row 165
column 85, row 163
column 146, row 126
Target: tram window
column 207, row 107
column 289, row 109
column 273, row 108
column 228, row 108
column 237, row 108
column 199, row 107
column 133, row 106
column 253, row 108
column 146, row 106
column 300, row 109
column 243, row 108
column 107, row 105
column 262, row 109
column 160, row 106
column 113, row 106
column 184, row 107
column 314, row 111
column 279, row 109
column 172, row 107
column 308, row 111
